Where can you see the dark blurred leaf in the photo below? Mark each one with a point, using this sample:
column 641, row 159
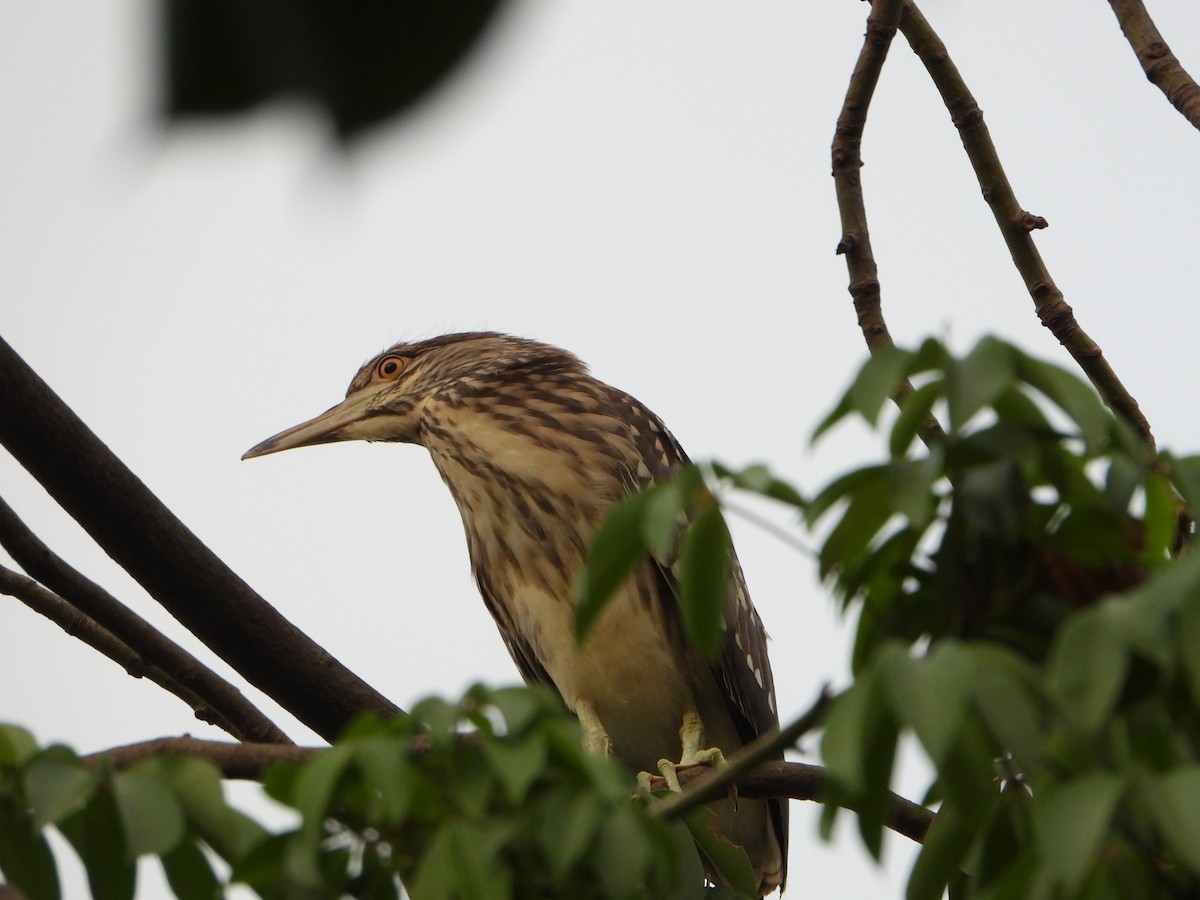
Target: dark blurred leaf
column 97, row 836
column 189, row 874
column 25, row 857
column 197, row 785
column 516, row 764
column 362, row 62
column 566, row 828
column 1175, row 804
column 622, row 854
column 1087, row 668
column 704, row 579
column 1072, row 820
column 1185, row 474
column 758, row 479
column 931, row 695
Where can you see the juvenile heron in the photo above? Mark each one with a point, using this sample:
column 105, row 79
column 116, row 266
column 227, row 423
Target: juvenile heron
column 535, row 452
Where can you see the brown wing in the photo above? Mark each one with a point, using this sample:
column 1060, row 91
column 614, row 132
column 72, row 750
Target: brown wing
column 743, row 669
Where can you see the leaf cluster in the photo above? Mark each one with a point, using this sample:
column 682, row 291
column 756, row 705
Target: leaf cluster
column 1023, row 615
column 489, row 797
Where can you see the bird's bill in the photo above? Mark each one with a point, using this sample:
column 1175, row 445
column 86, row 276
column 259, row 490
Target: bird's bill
column 336, row 424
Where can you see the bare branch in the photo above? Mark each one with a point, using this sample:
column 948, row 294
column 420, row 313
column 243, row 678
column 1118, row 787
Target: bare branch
column 143, row 536
column 84, row 609
column 1158, row 62
column 855, row 244
column 1014, row 222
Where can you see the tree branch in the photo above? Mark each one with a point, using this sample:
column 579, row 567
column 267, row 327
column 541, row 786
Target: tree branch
column 148, row 541
column 711, row 783
column 247, row 761
column 855, row 244
column 1158, row 62
column 1015, row 223
column 84, row 609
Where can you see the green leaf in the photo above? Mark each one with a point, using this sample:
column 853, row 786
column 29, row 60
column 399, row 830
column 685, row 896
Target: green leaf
column 616, row 550
column 197, row 786
column 910, row 487
column 1176, row 808
column 727, row 858
column 842, row 487
column 704, row 579
column 915, row 410
column 1006, row 691
column 867, row 512
column 1073, row 396
column 151, row 817
column 663, row 516
column 25, row 858
column 57, row 789
column 189, row 874
column 622, row 854
column 565, row 829
column 385, row 768
column 878, row 380
column 1087, row 668
column 516, row 764
column 1071, row 820
column 315, row 786
column 520, row 706
column 16, row 745
column 435, row 877
column 1160, row 520
column 932, row 695
column 758, row 479
column 975, row 381
column 946, row 843
column 1185, row 475
column 97, row 836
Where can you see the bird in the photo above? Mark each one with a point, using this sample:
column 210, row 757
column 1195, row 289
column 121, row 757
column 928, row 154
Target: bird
column 535, row 451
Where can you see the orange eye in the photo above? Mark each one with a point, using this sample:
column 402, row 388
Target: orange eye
column 390, row 367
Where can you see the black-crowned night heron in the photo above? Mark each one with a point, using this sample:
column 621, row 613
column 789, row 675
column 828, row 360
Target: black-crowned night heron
column 535, row 452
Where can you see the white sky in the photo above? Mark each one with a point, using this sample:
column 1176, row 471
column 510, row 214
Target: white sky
column 645, row 184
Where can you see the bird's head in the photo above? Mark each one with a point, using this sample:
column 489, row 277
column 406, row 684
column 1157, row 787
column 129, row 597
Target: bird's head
column 387, row 397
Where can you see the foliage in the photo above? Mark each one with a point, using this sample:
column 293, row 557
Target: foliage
column 491, row 797
column 1019, row 612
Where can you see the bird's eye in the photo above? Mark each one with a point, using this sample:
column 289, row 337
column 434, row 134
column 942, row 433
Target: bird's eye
column 390, row 368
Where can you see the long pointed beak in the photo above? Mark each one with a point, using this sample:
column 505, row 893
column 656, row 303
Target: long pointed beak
column 334, row 424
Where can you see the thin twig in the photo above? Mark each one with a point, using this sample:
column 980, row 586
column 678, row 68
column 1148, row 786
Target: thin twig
column 855, row 244
column 716, row 781
column 1015, row 223
column 81, row 626
column 846, row 153
column 1158, row 62
column 146, row 650
column 769, row 527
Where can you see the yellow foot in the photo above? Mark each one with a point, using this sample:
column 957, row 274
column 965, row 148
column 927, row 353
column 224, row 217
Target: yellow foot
column 691, row 736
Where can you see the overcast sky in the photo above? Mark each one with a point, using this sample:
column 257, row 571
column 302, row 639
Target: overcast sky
column 646, row 184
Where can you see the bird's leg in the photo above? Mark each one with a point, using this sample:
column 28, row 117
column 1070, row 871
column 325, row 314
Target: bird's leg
column 595, row 738
column 691, row 736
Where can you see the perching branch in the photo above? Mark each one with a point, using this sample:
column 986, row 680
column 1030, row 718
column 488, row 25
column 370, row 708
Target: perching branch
column 85, row 610
column 148, row 541
column 1158, row 62
column 1015, row 223
column 774, row 778
column 716, row 781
